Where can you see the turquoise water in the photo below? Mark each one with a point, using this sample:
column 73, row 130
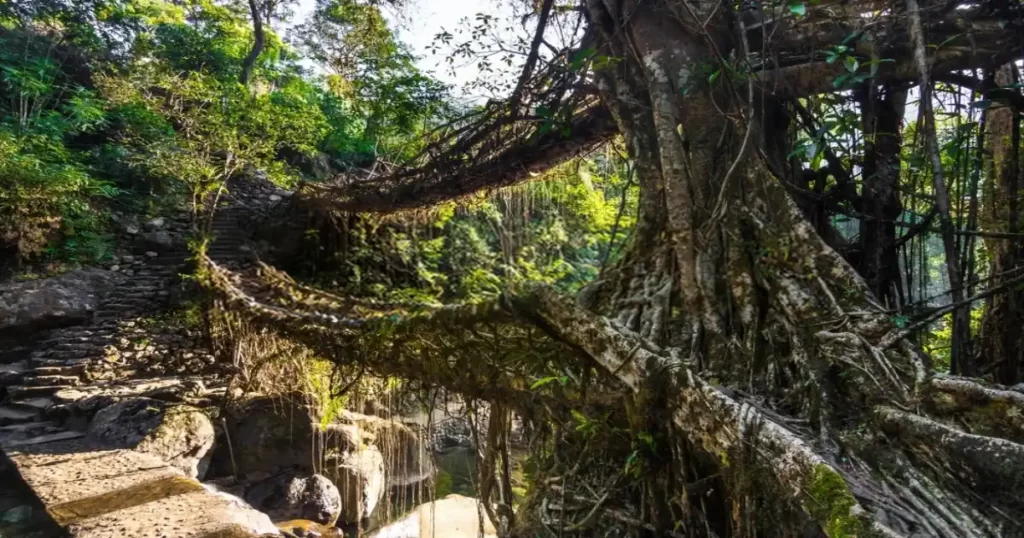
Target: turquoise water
column 21, row 514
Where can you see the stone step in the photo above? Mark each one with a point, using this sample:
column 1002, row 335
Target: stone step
column 119, row 314
column 135, row 295
column 19, row 366
column 53, row 381
column 61, row 363
column 153, row 276
column 21, row 392
column 10, row 414
column 141, row 496
column 11, row 378
column 240, row 245
column 74, row 369
column 46, row 438
column 33, row 428
column 78, row 353
column 168, row 262
column 11, row 374
column 88, row 345
column 117, row 306
column 36, row 405
column 83, row 337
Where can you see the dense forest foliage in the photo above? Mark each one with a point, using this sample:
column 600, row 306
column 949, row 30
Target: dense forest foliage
column 792, row 229
column 137, row 107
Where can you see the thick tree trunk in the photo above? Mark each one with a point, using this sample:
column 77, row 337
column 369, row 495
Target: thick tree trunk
column 882, row 115
column 257, row 47
column 1002, row 337
column 727, row 269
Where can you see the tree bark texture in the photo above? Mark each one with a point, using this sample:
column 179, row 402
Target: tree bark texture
column 257, row 46
column 753, row 293
column 882, row 116
column 1003, row 194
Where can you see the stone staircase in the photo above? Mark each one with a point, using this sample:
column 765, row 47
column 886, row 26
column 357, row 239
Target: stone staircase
column 60, row 361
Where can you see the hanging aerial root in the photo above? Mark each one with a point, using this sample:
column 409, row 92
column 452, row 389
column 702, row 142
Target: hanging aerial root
column 473, row 349
column 288, row 288
column 231, row 286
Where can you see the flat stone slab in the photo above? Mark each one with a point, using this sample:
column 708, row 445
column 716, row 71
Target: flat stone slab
column 100, row 493
column 39, row 404
column 42, row 439
column 199, row 514
column 59, row 478
column 10, row 415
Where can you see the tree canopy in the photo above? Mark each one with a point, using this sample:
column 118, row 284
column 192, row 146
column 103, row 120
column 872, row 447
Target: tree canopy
column 742, row 268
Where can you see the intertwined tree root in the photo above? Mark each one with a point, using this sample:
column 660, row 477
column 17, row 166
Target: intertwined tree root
column 889, row 480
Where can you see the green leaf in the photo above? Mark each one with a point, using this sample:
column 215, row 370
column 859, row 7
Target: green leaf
column 714, row 76
column 542, row 381
column 816, row 162
column 812, row 150
column 840, row 80
column 798, row 9
column 851, row 64
column 581, row 57
column 900, row 321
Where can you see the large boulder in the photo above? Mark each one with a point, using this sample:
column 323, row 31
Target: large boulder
column 157, row 240
column 359, row 475
column 267, row 435
column 181, row 435
column 362, row 455
column 52, row 302
column 293, row 495
column 405, row 449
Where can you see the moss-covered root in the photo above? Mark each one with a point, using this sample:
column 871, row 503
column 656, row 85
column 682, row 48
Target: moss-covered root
column 830, row 502
column 711, row 418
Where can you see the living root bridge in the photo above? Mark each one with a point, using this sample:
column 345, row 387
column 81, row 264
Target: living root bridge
column 872, row 479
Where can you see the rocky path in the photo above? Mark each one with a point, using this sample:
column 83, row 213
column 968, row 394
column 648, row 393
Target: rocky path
column 37, row 388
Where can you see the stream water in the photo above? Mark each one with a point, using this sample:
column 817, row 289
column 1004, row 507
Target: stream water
column 21, row 514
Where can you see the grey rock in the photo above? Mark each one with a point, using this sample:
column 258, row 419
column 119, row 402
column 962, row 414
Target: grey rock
column 151, row 254
column 159, row 239
column 295, row 496
column 1019, row 387
column 275, row 433
column 361, row 474
column 408, row 461
column 127, row 259
column 115, row 268
column 256, row 477
column 179, row 434
column 63, row 300
column 274, row 198
column 155, row 224
column 131, row 230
